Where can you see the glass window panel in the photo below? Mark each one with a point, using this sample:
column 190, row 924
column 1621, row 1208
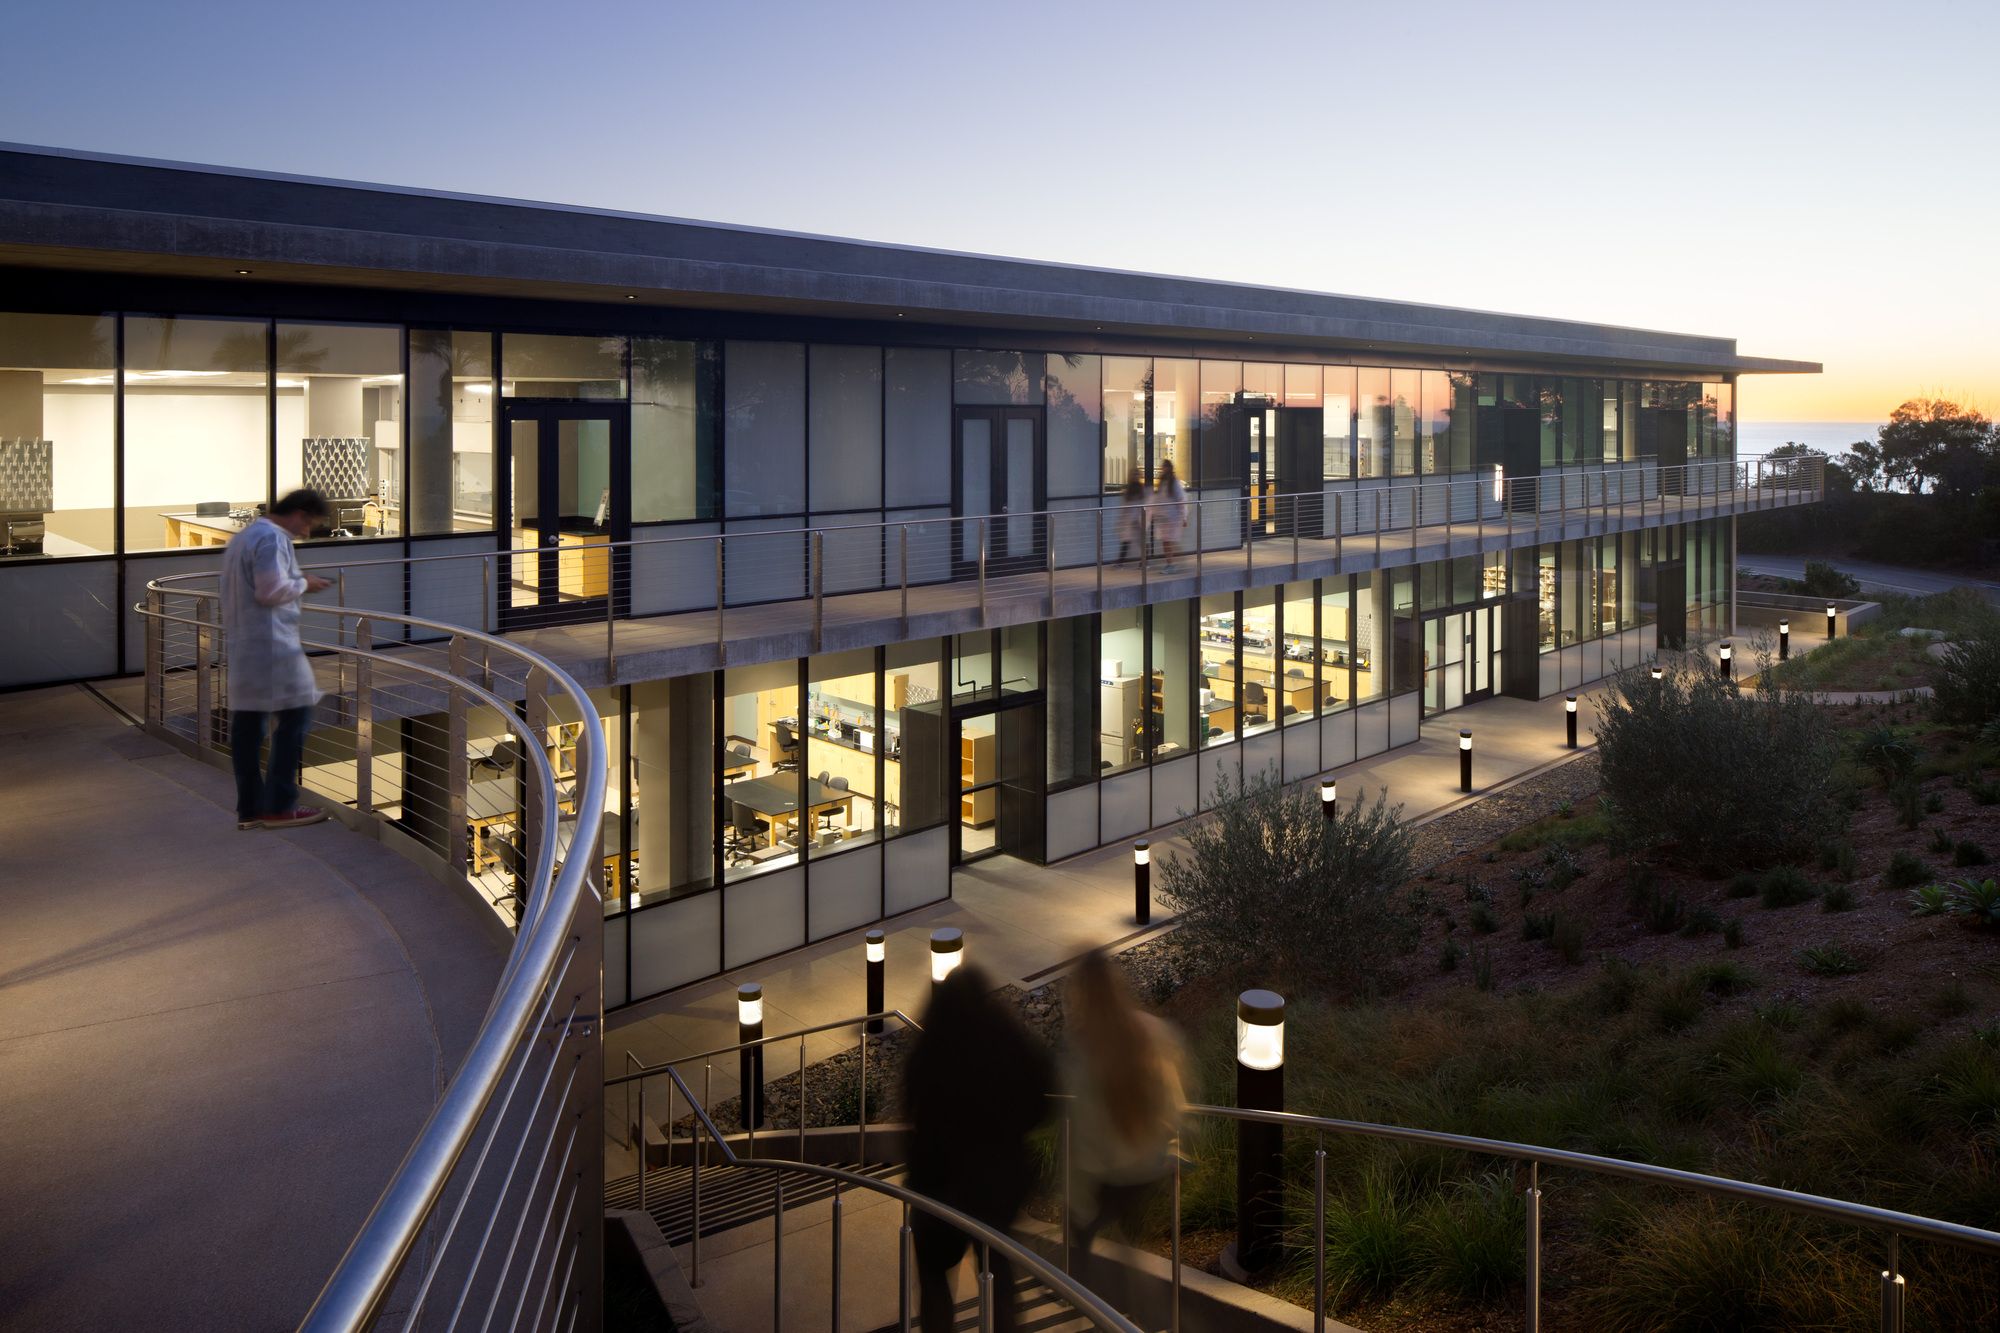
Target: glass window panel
column 761, row 820
column 553, row 365
column 1549, row 401
column 1169, row 697
column 972, row 664
column 1122, row 690
column 997, row 377
column 913, row 785
column 1337, row 399
column 1299, row 694
column 1371, row 637
column 673, row 429
column 195, row 429
column 845, row 441
column 843, row 739
column 56, row 438
column 1337, row 643
column 1545, row 595
column 674, row 787
column 1127, row 382
column 916, row 427
column 340, row 413
column 1072, row 699
column 1020, row 659
column 1258, row 697
column 1302, row 386
column 1375, row 422
column 1216, row 704
column 1405, row 655
column 1176, row 414
column 763, row 396
column 1434, row 429
column 451, row 431
column 1222, row 460
column 1406, row 398
column 1076, row 414
column 1725, row 420
column 1264, row 379
column 976, row 465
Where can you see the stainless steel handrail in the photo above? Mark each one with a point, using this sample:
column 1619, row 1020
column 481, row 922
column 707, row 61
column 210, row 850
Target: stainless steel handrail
column 1079, row 1297
column 523, row 1002
column 654, row 1070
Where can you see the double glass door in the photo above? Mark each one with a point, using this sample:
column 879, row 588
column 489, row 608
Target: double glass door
column 566, row 472
column 1461, row 657
column 999, row 788
column 1000, row 489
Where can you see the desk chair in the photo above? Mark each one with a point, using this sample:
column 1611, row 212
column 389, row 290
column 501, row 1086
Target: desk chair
column 787, row 757
column 736, row 756
column 747, row 827
column 1256, row 720
column 1287, row 711
column 831, row 785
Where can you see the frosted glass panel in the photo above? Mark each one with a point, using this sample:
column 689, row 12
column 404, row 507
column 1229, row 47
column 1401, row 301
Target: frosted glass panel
column 997, row 377
column 976, row 464
column 763, row 397
column 1075, row 414
column 845, row 440
column 917, row 426
column 1020, row 487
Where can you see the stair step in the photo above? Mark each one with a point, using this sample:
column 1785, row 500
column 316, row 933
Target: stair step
column 731, row 1196
column 1039, row 1312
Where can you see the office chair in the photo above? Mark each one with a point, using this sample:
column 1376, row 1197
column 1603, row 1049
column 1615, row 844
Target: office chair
column 787, row 758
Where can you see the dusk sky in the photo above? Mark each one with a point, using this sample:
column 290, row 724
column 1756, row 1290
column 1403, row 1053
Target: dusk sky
column 1817, row 181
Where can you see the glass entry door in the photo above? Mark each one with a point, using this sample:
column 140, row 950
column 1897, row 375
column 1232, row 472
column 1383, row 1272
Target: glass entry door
column 1461, row 658
column 1000, row 789
column 565, row 492
column 1000, row 489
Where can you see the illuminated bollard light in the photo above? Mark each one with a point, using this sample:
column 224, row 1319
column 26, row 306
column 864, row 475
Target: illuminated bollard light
column 1784, row 640
column 1569, row 710
column 1260, row 1086
column 947, row 951
column 1831, row 611
column 1465, row 761
column 876, row 949
column 1727, row 667
column 750, row 1062
column 1329, row 797
column 1142, row 882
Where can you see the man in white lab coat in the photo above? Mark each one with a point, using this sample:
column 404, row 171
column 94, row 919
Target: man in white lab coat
column 268, row 671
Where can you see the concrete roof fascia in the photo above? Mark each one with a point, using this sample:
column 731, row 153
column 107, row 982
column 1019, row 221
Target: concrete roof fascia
column 719, row 260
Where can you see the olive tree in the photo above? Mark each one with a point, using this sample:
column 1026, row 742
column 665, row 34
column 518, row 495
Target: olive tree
column 1274, row 891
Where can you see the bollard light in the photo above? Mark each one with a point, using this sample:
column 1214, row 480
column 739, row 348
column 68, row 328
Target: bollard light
column 1142, row 882
column 1784, row 640
column 1260, row 1086
column 1830, row 611
column 1329, row 798
column 1465, row 761
column 1657, row 673
column 876, row 949
column 750, row 1060
column 1569, row 709
column 947, row 951
column 1727, row 667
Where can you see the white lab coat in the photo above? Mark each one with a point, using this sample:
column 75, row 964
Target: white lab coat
column 261, row 588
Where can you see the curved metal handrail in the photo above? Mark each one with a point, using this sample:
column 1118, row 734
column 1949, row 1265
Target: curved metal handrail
column 368, row 1270
column 1079, row 1297
column 1813, row 1205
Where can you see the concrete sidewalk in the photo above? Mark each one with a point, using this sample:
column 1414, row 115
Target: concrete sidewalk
column 215, row 1047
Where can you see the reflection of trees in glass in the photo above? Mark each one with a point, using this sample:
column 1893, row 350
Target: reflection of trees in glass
column 241, row 349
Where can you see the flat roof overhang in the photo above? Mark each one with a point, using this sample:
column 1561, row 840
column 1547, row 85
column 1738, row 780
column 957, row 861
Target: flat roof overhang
column 73, row 211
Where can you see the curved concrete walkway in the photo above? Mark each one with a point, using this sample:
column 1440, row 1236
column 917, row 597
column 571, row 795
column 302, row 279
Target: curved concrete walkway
column 215, row 1046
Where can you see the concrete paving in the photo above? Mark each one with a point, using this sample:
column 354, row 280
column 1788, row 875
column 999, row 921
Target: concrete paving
column 215, row 1047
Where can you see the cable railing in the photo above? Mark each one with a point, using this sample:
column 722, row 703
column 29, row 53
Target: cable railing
column 492, row 1219
column 945, row 573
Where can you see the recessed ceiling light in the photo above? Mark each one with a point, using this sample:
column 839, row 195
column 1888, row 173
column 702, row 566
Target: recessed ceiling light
column 242, row 272
column 631, row 298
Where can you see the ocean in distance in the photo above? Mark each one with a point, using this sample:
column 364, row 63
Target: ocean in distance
column 1832, row 438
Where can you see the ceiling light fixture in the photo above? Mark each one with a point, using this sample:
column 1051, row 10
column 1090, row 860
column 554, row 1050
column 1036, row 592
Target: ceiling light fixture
column 242, row 272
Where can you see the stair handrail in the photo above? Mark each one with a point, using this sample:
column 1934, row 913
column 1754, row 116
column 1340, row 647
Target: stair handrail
column 1079, row 1297
column 654, row 1070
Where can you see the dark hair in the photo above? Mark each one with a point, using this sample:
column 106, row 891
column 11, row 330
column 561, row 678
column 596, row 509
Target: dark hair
column 305, row 500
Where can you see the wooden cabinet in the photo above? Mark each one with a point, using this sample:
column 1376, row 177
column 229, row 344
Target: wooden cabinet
column 975, row 765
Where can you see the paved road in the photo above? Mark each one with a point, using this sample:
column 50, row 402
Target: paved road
column 1884, row 578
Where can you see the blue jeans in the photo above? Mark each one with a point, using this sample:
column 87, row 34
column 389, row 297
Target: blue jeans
column 275, row 791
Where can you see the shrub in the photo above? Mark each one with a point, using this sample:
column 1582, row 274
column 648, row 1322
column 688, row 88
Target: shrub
column 1907, row 799
column 1617, row 985
column 1845, row 1014
column 1370, row 1242
column 1538, row 925
column 1823, row 580
column 1976, row 900
column 1931, row 900
column 1940, row 843
column 1780, row 1014
column 1483, row 919
column 1448, row 955
column 1564, row 870
column 1950, row 1000
column 1679, row 1004
column 1983, row 792
column 1905, row 869
column 1664, row 912
column 1567, row 938
column 1701, row 921
column 1469, row 1240
column 1730, row 776
column 1885, row 752
column 1968, row 853
column 1933, row 803
column 1965, row 683
column 1732, row 933
column 1827, row 960
column 1270, row 882
column 1837, row 898
column 1743, row 886
column 1482, row 967
column 1785, row 886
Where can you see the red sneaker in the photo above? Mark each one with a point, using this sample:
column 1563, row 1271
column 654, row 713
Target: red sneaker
column 295, row 818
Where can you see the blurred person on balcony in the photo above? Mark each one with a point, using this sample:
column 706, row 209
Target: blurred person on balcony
column 269, row 676
column 1170, row 506
column 976, row 1085
column 1131, row 525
